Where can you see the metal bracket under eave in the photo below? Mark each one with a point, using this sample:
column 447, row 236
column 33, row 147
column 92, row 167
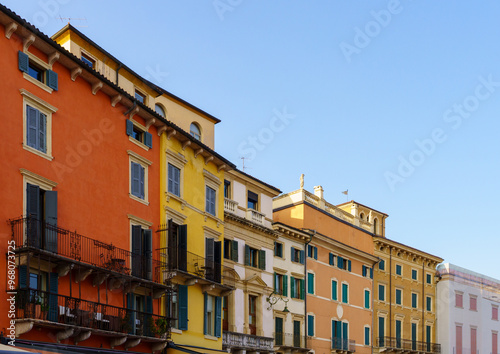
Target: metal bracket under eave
column 28, row 41
column 75, row 73
column 96, row 87
column 9, row 29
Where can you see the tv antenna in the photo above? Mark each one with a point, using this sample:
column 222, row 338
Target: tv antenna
column 243, row 159
column 69, row 19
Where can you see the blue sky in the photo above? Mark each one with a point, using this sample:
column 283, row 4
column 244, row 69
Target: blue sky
column 397, row 101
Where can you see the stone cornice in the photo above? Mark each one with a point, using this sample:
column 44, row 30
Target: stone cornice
column 250, row 224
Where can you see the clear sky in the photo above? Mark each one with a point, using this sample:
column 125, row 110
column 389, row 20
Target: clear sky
column 396, row 101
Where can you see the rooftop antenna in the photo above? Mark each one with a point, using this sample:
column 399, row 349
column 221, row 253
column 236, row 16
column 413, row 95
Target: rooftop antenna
column 69, row 19
column 243, row 159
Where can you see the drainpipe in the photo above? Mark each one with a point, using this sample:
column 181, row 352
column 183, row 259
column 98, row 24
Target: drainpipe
column 423, row 299
column 390, row 292
column 305, row 277
column 117, row 70
column 131, row 108
column 373, row 302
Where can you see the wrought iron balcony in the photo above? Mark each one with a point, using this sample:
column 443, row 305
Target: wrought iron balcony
column 181, row 262
column 235, row 340
column 51, row 309
column 289, row 340
column 344, row 344
column 407, row 345
column 51, row 241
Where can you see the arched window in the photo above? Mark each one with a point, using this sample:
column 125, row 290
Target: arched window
column 195, row 131
column 361, row 216
column 375, row 222
column 159, row 109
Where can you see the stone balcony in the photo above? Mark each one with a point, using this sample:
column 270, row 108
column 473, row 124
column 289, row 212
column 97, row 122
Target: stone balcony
column 238, row 341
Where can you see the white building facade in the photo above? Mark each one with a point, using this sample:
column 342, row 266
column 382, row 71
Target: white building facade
column 467, row 305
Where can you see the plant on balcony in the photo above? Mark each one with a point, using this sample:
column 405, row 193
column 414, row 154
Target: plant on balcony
column 159, row 326
column 125, row 324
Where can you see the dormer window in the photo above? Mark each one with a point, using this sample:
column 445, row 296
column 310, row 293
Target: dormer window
column 159, row 109
column 195, row 131
column 88, row 60
column 139, row 96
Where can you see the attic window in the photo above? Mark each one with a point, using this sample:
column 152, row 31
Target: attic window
column 195, row 131
column 88, row 60
column 139, row 96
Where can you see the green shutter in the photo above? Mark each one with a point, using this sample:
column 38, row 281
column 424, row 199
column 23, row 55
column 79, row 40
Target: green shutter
column 367, row 299
column 398, row 330
column 23, row 276
column 330, row 258
column 292, row 254
column 334, row 290
column 292, row 288
column 285, row 285
column 218, row 317
column 234, row 250
column 371, row 273
column 247, row 255
column 183, row 307
column 24, row 61
column 367, row 336
column 345, row 293
column 302, row 257
column 381, row 329
column 275, row 282
column 262, row 259
column 52, row 81
column 340, row 262
column 349, row 265
column 302, row 289
column 315, row 252
column 310, row 325
column 381, row 290
column 310, row 283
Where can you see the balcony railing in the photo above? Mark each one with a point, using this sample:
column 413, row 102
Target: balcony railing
column 255, row 216
column 41, row 305
column 289, row 340
column 178, row 259
column 344, row 344
column 230, row 205
column 407, row 344
column 248, row 341
column 30, row 233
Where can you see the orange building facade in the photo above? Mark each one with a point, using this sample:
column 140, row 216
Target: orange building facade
column 339, row 264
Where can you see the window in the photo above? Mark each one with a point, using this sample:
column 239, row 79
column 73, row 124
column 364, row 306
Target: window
column 255, row 258
column 472, row 303
column 227, row 189
column 381, row 265
column 494, row 343
column 398, row 333
column 343, row 263
column 278, row 325
column 381, row 292
column 367, row 299
column 428, row 278
column 278, row 249
column 88, row 60
column 139, row 96
column 399, row 297
column 345, row 293
column 381, row 330
column 367, row 272
column 458, row 339
column 137, row 175
column 252, row 314
column 177, row 306
column 473, row 340
column 212, row 323
column 37, row 125
column 428, row 332
column 225, row 313
column 138, row 133
column 159, row 109
column 310, row 283
column 253, row 200
column 367, row 335
column 414, row 300
column 38, row 72
column 297, row 255
column 331, row 259
column 428, row 303
column 195, row 132
column 494, row 313
column 399, row 269
column 231, row 250
column 459, row 300
column 340, row 335
column 414, row 274
column 297, row 287
column 212, row 270
column 334, row 290
column 210, row 200
column 310, row 325
column 174, row 180
column 312, row 252
column 281, row 284
column 296, row 334
column 142, row 252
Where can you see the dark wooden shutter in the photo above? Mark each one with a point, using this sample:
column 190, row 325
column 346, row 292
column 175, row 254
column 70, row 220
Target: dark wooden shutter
column 315, row 252
column 33, row 227
column 53, row 286
column 50, row 233
column 52, row 81
column 136, row 250
column 148, row 254
column 302, row 289
column 148, row 140
column 183, row 307
column 262, row 259
column 217, row 261
column 130, row 313
column 23, row 276
column 371, row 273
column 42, row 132
column 205, row 317
column 285, row 285
column 129, row 127
column 182, row 247
column 135, row 185
column 32, row 124
column 247, row 255
column 292, row 287
column 218, row 317
column 234, row 251
column 302, row 257
column 24, row 61
column 209, row 259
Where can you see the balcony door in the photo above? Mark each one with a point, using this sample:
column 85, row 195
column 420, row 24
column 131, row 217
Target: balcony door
column 252, row 314
column 41, row 210
column 296, row 334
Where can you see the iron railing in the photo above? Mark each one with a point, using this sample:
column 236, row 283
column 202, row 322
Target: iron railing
column 407, row 344
column 289, row 340
column 178, row 259
column 31, row 233
column 43, row 305
column 344, row 344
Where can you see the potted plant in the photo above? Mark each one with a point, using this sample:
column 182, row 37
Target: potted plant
column 38, row 307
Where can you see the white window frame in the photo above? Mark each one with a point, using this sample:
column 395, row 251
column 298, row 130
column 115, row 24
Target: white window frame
column 145, row 163
column 178, row 160
column 43, row 65
column 213, row 182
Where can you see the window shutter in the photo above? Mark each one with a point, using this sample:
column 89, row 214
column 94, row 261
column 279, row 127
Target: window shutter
column 135, row 185
column 148, row 254
column 247, row 255
column 136, row 250
column 310, row 326
column 302, row 257
column 367, row 299
column 52, row 81
column 292, row 287
column 205, row 317
column 315, row 252
column 363, row 271
column 53, row 308
column 340, row 262
column 345, row 333
column 141, row 180
column 285, row 285
column 234, row 251
column 371, row 273
column 131, row 314
column 32, row 135
column 292, row 254
column 33, row 211
column 338, row 329
column 148, row 319
column 349, row 265
column 50, row 234
column 218, row 319
column 209, row 258
column 367, row 336
column 130, row 127
column 275, row 282
column 218, row 261
column 42, row 132
column 183, row 307
column 148, row 140
column 24, row 61
column 23, row 276
column 302, row 289
column 334, row 290
column 182, row 247
column 330, row 259
column 262, row 259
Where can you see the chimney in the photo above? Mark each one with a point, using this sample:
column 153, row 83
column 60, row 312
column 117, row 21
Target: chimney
column 318, row 192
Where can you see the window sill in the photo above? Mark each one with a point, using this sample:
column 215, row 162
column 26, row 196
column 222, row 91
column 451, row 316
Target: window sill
column 175, row 197
column 213, row 217
column 38, row 152
column 175, row 330
column 209, row 337
column 37, row 83
column 138, row 199
column 138, row 143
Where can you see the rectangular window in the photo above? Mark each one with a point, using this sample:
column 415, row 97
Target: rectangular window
column 227, row 189
column 297, row 255
column 213, row 312
column 381, row 292
column 88, row 60
column 381, row 265
column 399, row 269
column 37, row 71
column 36, row 129
column 278, row 326
column 494, row 343
column 414, row 300
column 367, row 272
column 281, row 284
column 310, row 283
column 473, row 340
column 139, row 134
column 310, row 325
column 367, row 335
column 174, row 180
column 296, row 334
column 312, row 252
column 473, row 303
column 137, row 183
column 253, row 200
column 210, row 200
column 428, row 278
column 345, row 293
column 331, row 259
column 367, row 299
column 255, row 258
column 139, row 96
column 381, row 331
column 459, row 300
column 428, row 303
column 297, row 288
column 458, row 339
column 278, row 249
column 343, row 263
column 252, row 314
column 225, row 313
column 334, row 290
column 414, row 274
column 142, row 252
column 231, row 250
column 176, row 306
column 399, row 297
column 494, row 313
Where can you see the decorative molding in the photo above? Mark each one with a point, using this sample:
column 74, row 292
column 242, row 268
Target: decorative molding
column 176, row 157
column 45, row 183
column 171, row 133
column 75, row 73
column 117, row 341
column 208, row 159
column 211, row 232
column 212, row 178
column 149, row 123
column 161, row 129
column 96, row 87
column 133, row 112
column 64, row 334
column 221, row 167
column 138, row 220
column 23, row 327
column 115, row 100
column 53, row 58
column 9, row 29
column 176, row 216
column 41, row 102
column 186, row 144
column 27, row 42
column 139, row 157
column 197, row 152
